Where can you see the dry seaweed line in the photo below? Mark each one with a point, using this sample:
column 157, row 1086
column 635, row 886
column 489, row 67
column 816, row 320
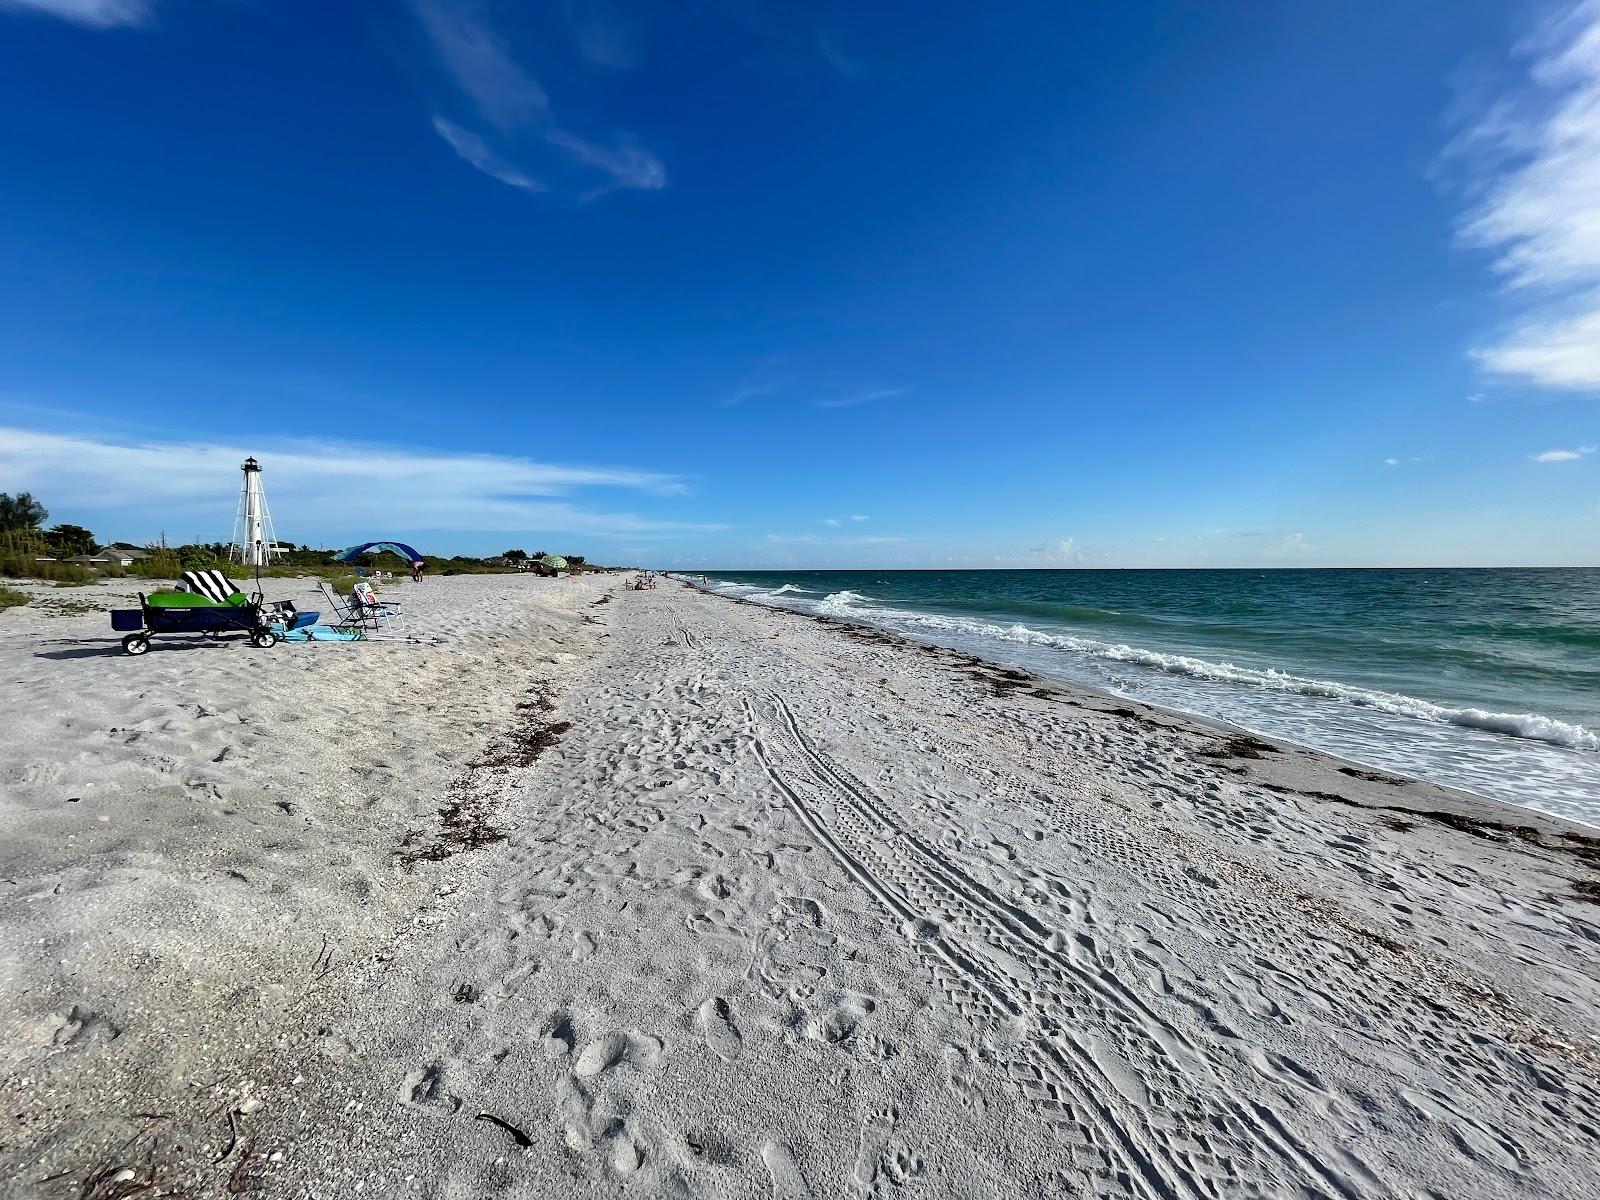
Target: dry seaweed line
column 468, row 819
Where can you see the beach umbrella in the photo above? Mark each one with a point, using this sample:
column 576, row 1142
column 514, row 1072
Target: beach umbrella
column 400, row 548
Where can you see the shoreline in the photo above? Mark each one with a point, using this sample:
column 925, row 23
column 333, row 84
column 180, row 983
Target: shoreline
column 1469, row 802
column 670, row 897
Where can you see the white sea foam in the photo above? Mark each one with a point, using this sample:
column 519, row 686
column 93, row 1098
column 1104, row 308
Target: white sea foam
column 1532, row 726
column 839, row 604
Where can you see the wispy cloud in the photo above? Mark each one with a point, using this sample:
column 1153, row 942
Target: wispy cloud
column 768, row 377
column 627, row 163
column 1397, row 461
column 600, row 34
column 1064, row 551
column 834, row 521
column 1535, row 160
column 778, row 376
column 95, row 14
column 846, row 65
column 476, row 151
column 508, row 98
column 795, row 538
column 317, row 487
column 851, row 400
column 859, row 517
column 1556, row 456
column 481, row 64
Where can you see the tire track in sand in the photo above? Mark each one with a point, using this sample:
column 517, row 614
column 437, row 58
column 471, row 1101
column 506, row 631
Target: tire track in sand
column 1146, row 1113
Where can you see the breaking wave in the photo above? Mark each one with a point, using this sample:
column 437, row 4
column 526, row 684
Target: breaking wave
column 1532, row 726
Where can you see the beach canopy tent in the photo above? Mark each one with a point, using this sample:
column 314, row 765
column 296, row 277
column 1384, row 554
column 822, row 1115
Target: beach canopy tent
column 400, row 548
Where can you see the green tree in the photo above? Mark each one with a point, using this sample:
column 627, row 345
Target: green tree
column 66, row 540
column 515, row 556
column 576, row 560
column 21, row 511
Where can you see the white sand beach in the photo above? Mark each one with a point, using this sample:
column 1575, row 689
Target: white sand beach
column 592, row 892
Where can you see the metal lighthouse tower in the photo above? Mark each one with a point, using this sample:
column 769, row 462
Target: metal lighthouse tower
column 254, row 542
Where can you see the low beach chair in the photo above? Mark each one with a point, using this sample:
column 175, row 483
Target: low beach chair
column 362, row 610
column 213, row 585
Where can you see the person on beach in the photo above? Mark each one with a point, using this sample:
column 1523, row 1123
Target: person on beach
column 416, row 570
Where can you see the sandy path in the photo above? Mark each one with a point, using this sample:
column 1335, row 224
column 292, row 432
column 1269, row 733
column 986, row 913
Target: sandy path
column 793, row 910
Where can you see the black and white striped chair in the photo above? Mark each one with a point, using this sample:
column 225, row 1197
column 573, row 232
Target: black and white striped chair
column 213, row 585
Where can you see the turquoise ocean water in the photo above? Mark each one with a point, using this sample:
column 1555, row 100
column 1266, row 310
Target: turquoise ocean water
column 1487, row 680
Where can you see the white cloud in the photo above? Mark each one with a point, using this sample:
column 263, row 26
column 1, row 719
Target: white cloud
column 1400, row 462
column 1064, row 551
column 481, row 64
column 859, row 517
column 474, row 150
column 846, row 65
column 95, row 14
column 1391, row 462
column 834, row 521
column 1555, row 456
column 1288, row 544
column 878, row 540
column 855, row 398
column 487, row 74
column 600, row 34
column 1536, row 162
column 316, row 487
column 627, row 163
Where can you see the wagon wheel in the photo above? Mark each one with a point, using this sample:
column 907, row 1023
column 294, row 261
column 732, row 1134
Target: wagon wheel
column 136, row 643
column 263, row 638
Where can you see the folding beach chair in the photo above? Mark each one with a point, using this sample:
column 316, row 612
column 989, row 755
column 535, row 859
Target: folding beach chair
column 362, row 610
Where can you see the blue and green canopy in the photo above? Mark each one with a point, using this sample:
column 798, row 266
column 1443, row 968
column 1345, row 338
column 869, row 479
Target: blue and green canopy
column 354, row 552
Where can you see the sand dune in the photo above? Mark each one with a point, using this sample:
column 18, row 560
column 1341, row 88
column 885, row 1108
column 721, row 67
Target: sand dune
column 661, row 894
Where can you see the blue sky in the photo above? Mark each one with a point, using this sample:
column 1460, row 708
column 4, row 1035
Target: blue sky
column 732, row 284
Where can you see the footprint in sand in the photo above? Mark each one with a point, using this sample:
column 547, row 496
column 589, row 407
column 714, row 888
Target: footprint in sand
column 881, row 1155
column 963, row 1084
column 611, row 1050
column 82, row 1027
column 716, row 1023
column 787, row 1181
column 426, row 1087
column 556, row 1035
column 840, row 1024
column 876, row 1130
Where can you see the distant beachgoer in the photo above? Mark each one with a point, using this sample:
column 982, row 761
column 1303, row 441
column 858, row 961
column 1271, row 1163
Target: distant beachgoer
column 416, row 571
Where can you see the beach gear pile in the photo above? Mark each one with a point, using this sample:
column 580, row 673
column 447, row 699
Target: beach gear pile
column 208, row 604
